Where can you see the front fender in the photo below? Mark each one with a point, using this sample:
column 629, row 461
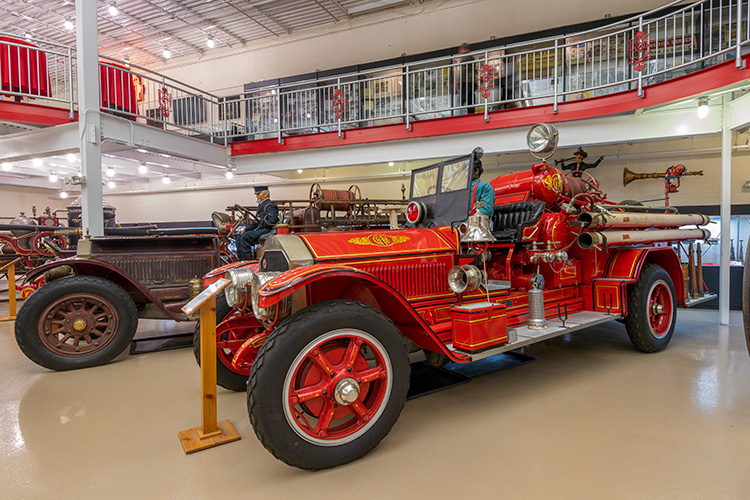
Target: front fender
column 108, row 271
column 358, row 284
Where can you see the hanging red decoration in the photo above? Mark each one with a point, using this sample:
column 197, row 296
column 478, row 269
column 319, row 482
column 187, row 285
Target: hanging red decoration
column 640, row 48
column 165, row 102
column 338, row 103
column 486, row 80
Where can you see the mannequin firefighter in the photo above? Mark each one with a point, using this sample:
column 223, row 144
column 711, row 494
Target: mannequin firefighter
column 266, row 216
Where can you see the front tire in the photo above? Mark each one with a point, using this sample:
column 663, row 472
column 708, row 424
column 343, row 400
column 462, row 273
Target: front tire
column 652, row 310
column 328, row 384
column 76, row 322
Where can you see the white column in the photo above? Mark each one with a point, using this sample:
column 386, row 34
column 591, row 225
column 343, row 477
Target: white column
column 89, row 124
column 726, row 211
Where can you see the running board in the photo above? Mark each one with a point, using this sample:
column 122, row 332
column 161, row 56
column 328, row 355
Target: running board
column 555, row 328
column 706, row 297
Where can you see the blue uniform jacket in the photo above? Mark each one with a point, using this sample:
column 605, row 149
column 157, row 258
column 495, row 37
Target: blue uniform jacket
column 482, row 191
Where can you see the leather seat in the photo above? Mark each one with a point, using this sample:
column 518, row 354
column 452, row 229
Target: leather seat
column 509, row 220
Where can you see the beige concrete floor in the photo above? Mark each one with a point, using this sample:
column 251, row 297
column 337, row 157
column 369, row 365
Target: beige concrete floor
column 591, row 418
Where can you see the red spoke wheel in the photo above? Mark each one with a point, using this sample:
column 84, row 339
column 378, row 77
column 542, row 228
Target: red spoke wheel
column 338, row 372
column 228, row 341
column 651, row 310
column 337, row 387
column 76, row 322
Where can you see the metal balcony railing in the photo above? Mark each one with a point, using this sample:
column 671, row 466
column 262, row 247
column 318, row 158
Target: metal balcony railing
column 664, row 43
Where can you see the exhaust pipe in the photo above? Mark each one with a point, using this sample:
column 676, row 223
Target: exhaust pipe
column 636, row 220
column 621, row 238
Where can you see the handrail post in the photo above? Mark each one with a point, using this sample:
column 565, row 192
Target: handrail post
column 278, row 113
column 71, row 114
column 338, row 87
column 554, row 79
column 487, row 94
column 640, row 72
column 738, row 62
column 406, row 100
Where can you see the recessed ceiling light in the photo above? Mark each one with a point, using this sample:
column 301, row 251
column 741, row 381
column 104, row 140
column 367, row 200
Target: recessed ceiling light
column 299, row 170
column 70, row 157
column 7, row 166
column 37, row 162
column 142, row 168
column 53, row 177
column 112, row 10
column 390, row 164
column 110, row 172
column 166, row 179
column 229, row 174
column 68, row 24
column 111, row 184
column 63, row 194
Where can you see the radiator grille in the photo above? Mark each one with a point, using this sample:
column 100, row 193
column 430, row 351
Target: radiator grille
column 167, row 270
column 413, row 280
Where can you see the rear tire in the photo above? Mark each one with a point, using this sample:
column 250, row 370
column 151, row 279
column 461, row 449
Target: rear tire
column 652, row 310
column 328, row 384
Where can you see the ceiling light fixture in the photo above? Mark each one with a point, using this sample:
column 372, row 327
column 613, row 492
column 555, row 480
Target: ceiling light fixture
column 111, row 184
column 299, row 170
column 63, row 194
column 37, row 162
column 166, row 179
column 390, row 163
column 68, row 24
column 229, row 174
column 167, row 54
column 27, row 36
column 112, row 10
column 110, row 172
column 210, row 42
column 52, row 177
column 703, row 107
column 127, row 60
column 70, row 157
column 7, row 166
column 142, row 168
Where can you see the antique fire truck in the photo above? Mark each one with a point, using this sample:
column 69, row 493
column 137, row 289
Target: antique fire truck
column 324, row 323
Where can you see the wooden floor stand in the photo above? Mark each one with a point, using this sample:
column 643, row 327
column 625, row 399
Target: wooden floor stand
column 211, row 433
column 10, row 267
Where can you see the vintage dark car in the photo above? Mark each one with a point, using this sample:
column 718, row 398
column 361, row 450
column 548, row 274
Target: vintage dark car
column 328, row 371
column 87, row 311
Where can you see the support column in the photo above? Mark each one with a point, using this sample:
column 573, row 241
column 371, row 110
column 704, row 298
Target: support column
column 89, row 124
column 726, row 211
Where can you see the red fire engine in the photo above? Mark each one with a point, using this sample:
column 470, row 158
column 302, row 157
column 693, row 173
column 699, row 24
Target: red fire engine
column 323, row 324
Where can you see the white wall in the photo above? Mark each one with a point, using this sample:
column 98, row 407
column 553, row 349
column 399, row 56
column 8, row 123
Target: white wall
column 421, row 28
column 17, row 199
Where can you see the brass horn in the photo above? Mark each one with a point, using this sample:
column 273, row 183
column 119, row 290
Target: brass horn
column 629, row 176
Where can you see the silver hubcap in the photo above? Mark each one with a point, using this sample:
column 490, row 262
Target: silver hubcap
column 658, row 309
column 347, row 391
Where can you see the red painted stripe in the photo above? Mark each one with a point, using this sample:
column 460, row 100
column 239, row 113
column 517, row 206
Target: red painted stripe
column 34, row 114
column 658, row 93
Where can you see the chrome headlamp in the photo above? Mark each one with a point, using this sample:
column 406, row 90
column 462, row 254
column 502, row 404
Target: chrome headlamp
column 542, row 140
column 235, row 292
column 258, row 281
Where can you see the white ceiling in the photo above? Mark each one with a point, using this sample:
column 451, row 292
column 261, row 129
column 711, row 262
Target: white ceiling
column 143, row 28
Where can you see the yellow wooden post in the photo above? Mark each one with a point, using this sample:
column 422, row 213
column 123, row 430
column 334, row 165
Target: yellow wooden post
column 11, row 267
column 211, row 433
